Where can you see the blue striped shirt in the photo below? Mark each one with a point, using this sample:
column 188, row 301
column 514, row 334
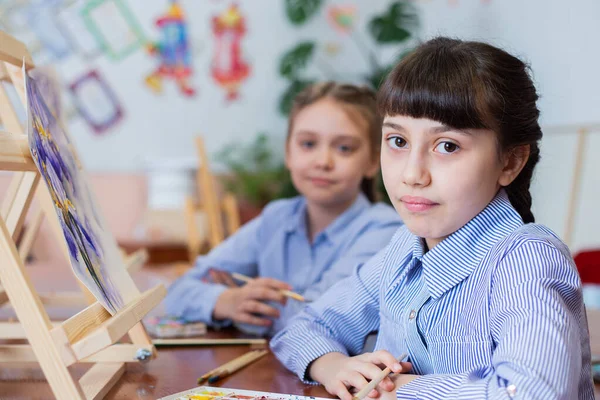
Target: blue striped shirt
column 494, row 311
column 276, row 245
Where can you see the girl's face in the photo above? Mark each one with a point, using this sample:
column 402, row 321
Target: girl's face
column 439, row 178
column 328, row 154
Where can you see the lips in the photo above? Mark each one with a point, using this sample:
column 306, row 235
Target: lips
column 418, row 204
column 321, row 181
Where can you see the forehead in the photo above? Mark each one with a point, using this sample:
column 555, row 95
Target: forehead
column 329, row 117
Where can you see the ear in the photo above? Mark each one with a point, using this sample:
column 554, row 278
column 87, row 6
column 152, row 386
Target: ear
column 513, row 164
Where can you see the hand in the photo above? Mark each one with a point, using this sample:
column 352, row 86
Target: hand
column 340, row 373
column 398, row 381
column 246, row 304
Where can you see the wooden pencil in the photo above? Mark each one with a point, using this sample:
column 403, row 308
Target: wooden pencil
column 216, row 371
column 237, row 365
column 375, row 381
column 287, row 293
column 202, row 341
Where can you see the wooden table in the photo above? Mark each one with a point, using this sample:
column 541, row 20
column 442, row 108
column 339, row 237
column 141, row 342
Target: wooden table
column 177, row 368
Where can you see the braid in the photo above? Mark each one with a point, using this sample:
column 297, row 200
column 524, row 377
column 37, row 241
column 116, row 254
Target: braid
column 518, row 190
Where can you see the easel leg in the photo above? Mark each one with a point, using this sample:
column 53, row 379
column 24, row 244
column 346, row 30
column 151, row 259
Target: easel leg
column 34, row 319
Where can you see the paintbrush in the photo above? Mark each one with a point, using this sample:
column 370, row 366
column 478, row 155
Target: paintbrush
column 237, row 365
column 217, row 370
column 287, row 293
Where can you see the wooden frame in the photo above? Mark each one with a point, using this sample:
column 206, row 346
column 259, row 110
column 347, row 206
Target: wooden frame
column 88, row 336
column 214, row 209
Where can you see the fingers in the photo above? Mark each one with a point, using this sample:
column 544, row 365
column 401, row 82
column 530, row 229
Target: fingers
column 385, row 358
column 340, row 390
column 386, row 385
column 368, row 370
column 272, row 283
column 252, row 319
column 406, row 367
column 260, row 292
column 257, row 307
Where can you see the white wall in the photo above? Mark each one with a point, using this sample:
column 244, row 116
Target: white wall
column 558, row 38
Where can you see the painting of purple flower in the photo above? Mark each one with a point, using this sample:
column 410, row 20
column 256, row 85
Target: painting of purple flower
column 93, row 251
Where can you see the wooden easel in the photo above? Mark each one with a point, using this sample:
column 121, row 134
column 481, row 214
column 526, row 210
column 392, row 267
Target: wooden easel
column 583, row 132
column 88, row 336
column 210, row 205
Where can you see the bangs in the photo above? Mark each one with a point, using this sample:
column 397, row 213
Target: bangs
column 439, row 83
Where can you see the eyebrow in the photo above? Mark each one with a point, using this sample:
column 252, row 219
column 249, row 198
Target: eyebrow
column 437, row 129
column 336, row 136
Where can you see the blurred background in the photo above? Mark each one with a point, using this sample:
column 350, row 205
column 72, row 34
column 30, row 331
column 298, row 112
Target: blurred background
column 136, row 120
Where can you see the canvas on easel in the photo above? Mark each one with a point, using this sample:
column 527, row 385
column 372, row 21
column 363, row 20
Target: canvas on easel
column 90, row 335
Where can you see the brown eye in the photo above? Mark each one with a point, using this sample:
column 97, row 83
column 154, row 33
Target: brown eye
column 396, row 142
column 447, row 147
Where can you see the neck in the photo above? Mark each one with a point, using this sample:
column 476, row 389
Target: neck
column 320, row 216
column 431, row 243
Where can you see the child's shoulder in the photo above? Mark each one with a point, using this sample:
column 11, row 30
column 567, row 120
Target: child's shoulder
column 282, row 208
column 534, row 236
column 535, row 251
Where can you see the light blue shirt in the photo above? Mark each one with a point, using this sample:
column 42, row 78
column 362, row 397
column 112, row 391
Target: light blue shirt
column 494, row 311
column 276, row 245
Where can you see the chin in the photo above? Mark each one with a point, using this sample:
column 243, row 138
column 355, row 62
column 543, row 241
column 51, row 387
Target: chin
column 421, row 228
column 326, row 199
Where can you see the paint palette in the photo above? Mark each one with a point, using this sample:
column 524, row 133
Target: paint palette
column 172, row 327
column 213, row 393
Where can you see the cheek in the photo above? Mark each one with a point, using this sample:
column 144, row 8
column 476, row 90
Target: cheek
column 471, row 182
column 296, row 160
column 391, row 166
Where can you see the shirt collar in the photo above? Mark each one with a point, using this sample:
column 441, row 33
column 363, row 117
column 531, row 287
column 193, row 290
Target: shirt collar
column 297, row 221
column 455, row 258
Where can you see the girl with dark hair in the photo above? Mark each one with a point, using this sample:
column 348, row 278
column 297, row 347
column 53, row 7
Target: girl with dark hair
column 306, row 243
column 485, row 303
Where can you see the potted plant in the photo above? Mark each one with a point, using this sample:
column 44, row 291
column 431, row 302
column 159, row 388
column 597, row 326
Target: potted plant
column 256, row 176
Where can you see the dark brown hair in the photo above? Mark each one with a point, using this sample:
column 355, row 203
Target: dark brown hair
column 361, row 106
column 471, row 85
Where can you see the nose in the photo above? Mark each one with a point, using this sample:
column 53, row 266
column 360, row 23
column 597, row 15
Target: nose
column 416, row 170
column 324, row 158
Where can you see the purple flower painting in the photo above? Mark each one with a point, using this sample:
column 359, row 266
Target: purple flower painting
column 94, row 254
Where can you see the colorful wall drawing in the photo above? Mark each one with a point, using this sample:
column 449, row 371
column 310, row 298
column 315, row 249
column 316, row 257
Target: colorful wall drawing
column 173, row 52
column 342, row 17
column 96, row 101
column 95, row 257
column 229, row 70
column 114, row 26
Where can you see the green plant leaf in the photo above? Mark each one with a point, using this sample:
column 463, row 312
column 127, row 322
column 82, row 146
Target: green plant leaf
column 257, row 173
column 287, row 98
column 395, row 25
column 296, row 59
column 300, row 11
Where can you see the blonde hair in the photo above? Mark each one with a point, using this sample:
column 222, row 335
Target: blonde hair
column 360, row 104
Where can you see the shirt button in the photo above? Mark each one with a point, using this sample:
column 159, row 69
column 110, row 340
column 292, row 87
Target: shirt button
column 511, row 390
column 412, row 314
